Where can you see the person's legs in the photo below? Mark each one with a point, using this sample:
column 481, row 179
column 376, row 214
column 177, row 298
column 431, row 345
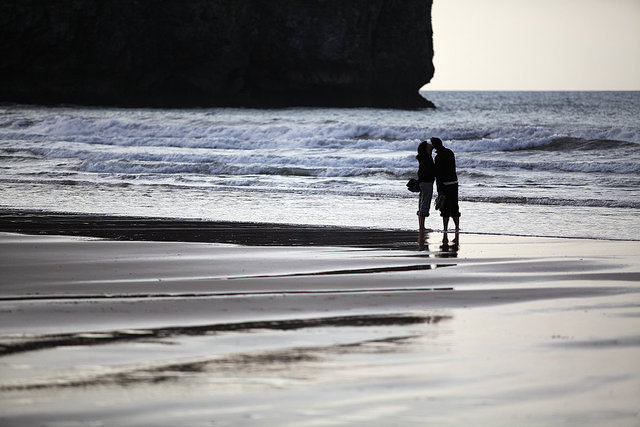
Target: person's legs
column 424, row 203
column 421, row 230
column 426, row 192
column 454, row 208
column 445, row 223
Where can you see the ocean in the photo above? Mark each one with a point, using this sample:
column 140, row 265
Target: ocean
column 562, row 164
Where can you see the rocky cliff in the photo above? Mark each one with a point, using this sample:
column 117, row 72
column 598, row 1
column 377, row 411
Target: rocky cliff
column 186, row 53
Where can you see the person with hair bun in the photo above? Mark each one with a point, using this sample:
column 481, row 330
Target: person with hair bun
column 426, row 177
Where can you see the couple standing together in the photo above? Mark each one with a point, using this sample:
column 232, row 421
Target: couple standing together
column 442, row 170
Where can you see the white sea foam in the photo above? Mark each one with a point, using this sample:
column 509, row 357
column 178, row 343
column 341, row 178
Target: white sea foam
column 125, row 132
column 330, row 162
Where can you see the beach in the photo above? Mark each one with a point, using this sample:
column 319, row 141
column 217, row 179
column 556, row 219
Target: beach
column 223, row 323
column 235, row 266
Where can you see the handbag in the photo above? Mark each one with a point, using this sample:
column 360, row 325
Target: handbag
column 413, row 185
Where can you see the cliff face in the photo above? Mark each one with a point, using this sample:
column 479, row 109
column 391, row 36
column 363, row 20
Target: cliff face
column 181, row 53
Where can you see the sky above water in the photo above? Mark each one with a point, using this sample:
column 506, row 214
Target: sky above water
column 536, row 45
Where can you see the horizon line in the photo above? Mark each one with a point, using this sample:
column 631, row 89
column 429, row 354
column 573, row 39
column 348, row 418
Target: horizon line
column 424, row 89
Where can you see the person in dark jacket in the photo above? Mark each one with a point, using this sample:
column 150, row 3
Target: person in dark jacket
column 447, row 183
column 426, row 177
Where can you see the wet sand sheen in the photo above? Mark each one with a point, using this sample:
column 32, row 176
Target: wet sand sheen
column 514, row 330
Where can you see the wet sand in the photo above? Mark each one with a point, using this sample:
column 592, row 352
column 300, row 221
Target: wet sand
column 262, row 324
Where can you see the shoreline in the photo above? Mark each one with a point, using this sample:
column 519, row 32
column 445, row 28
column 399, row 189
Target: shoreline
column 146, row 228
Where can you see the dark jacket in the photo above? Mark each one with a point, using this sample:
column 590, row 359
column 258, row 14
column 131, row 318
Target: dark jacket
column 426, row 169
column 445, row 167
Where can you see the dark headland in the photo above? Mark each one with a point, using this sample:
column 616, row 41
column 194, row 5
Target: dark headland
column 207, row 53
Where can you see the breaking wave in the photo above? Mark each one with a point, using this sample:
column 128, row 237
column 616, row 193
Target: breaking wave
column 130, row 132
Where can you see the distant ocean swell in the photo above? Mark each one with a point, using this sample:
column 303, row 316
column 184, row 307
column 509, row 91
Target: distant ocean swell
column 199, row 134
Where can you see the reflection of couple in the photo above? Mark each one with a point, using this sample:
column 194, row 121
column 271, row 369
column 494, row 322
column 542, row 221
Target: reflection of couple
column 443, row 171
column 447, row 249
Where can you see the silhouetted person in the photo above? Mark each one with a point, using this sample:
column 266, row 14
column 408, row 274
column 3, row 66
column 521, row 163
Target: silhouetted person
column 426, row 176
column 447, row 183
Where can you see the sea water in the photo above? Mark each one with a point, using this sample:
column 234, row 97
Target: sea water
column 529, row 163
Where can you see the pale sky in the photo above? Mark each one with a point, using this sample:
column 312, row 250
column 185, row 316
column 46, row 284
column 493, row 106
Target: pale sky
column 536, row 45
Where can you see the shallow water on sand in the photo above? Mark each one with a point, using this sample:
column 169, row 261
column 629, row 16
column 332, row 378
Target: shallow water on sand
column 370, row 211
column 538, row 363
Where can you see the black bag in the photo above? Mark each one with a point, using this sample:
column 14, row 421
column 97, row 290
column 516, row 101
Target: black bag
column 413, row 185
